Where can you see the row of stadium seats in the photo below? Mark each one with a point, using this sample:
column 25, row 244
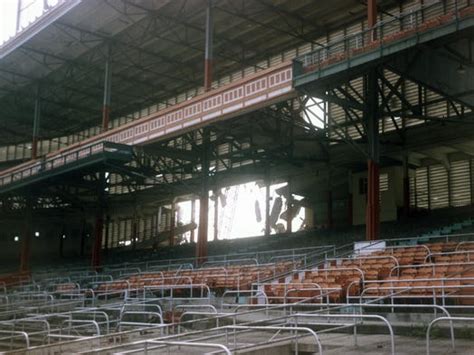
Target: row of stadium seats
column 231, row 277
column 384, row 273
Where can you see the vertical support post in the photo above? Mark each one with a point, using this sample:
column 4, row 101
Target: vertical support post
column 107, row 93
column 372, row 18
column 289, row 209
column 172, row 223
column 36, row 125
column 373, row 174
column 134, row 231
column 329, row 200
column 107, row 234
column 208, row 59
column 201, row 248
column 158, row 221
column 216, row 214
column 61, row 242
column 330, row 221
column 18, row 16
column 26, row 240
column 350, row 204
column 267, row 204
column 82, row 233
column 406, row 187
column 157, row 231
column 193, row 219
column 99, row 224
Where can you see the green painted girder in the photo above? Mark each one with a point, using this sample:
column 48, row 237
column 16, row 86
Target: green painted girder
column 371, row 56
column 109, row 152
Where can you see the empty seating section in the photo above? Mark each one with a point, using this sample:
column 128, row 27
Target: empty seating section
column 233, row 277
column 316, row 285
column 442, row 273
column 173, row 296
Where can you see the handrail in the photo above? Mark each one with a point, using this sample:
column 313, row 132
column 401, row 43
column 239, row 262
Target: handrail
column 143, row 313
column 253, row 294
column 184, row 343
column 143, row 305
column 228, row 262
column 351, row 316
column 363, row 257
column 12, row 333
column 194, row 306
column 80, row 321
column 450, row 253
column 442, row 319
column 355, row 41
column 430, row 265
column 290, row 329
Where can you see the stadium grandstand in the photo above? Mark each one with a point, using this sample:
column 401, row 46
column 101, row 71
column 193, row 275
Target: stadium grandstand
column 237, row 177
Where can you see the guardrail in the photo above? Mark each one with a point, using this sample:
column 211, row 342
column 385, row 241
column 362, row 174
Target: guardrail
column 398, row 27
column 62, row 160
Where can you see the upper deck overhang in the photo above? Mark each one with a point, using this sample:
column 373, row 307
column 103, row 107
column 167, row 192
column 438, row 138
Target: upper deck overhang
column 89, row 159
column 156, row 48
column 353, row 54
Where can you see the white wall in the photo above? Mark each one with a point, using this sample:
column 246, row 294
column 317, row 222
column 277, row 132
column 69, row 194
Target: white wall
column 391, row 199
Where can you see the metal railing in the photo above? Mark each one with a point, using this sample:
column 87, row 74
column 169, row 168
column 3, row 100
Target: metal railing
column 57, row 161
column 395, row 28
column 443, row 319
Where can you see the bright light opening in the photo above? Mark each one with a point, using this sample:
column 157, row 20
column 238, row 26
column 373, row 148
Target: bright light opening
column 37, row 234
column 16, row 238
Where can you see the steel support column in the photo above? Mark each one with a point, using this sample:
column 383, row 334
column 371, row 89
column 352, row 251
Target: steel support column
column 201, row 248
column 373, row 188
column 172, row 224
column 106, row 233
column 18, row 17
column 406, row 187
column 350, row 205
column 329, row 200
column 289, row 209
column 158, row 226
column 26, row 238
column 61, row 242
column 107, row 93
column 216, row 215
column 193, row 219
column 99, row 224
column 82, row 232
column 372, row 17
column 330, row 221
column 267, row 204
column 36, row 125
column 208, row 59
column 134, row 231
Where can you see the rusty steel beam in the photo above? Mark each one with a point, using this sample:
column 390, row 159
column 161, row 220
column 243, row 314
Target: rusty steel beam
column 208, row 59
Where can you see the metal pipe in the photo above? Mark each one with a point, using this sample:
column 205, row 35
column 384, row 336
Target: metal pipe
column 208, row 59
column 192, row 344
column 290, row 329
column 36, row 124
column 442, row 319
column 351, row 316
column 107, row 92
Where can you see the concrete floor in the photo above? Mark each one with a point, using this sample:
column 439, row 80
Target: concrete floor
column 336, row 344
